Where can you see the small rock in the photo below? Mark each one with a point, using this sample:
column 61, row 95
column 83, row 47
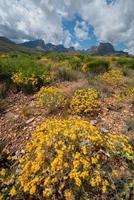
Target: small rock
column 23, row 151
column 104, row 130
column 30, row 120
column 93, row 122
column 17, row 153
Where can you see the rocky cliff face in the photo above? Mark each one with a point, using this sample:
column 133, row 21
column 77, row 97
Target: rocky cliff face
column 105, row 49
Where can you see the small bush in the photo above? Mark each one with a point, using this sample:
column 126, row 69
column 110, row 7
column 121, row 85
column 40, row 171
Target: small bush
column 114, row 77
column 51, row 99
column 75, row 62
column 71, row 159
column 84, row 101
column 127, row 62
column 130, row 124
column 96, row 66
column 27, row 111
column 67, row 74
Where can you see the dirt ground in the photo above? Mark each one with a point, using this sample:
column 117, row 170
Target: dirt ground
column 20, row 116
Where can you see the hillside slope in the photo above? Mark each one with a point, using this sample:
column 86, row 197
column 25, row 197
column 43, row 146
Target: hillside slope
column 7, row 46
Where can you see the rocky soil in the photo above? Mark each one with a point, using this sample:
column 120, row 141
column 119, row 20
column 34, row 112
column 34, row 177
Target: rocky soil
column 19, row 118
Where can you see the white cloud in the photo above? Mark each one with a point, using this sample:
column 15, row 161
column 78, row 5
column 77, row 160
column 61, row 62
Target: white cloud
column 32, row 19
column 77, row 45
column 22, row 19
column 81, row 30
column 113, row 23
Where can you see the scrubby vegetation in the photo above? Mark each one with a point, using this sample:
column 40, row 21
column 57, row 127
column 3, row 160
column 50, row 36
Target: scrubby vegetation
column 84, row 101
column 62, row 104
column 51, row 99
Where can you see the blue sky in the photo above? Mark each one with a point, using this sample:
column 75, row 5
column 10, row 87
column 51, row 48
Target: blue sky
column 78, row 23
column 84, row 43
column 92, row 39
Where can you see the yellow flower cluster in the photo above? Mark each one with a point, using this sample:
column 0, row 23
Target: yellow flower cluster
column 50, row 98
column 13, row 192
column 85, row 67
column 48, row 77
column 66, row 156
column 130, row 92
column 7, row 179
column 84, row 101
column 21, row 78
column 114, row 77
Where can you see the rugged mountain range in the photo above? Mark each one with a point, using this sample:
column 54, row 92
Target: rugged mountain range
column 40, row 45
column 7, row 45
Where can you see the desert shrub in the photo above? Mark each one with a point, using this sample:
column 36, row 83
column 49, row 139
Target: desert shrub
column 8, row 183
column 24, row 81
column 48, row 77
column 57, row 57
column 75, row 62
column 71, row 159
column 27, row 111
column 28, row 82
column 88, row 58
column 130, row 124
column 103, row 89
column 3, row 90
column 128, row 62
column 51, row 99
column 25, row 72
column 127, row 71
column 84, row 101
column 67, row 74
column 21, row 78
column 96, row 66
column 114, row 77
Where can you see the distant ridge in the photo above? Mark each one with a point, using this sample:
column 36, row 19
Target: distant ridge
column 6, row 45
column 40, row 45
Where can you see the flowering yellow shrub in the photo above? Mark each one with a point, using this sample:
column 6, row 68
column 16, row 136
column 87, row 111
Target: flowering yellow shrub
column 8, row 183
column 50, row 98
column 114, row 77
column 69, row 157
column 23, row 79
column 20, row 78
column 48, row 77
column 84, row 101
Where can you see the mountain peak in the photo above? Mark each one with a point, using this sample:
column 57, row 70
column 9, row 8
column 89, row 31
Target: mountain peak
column 35, row 44
column 104, row 49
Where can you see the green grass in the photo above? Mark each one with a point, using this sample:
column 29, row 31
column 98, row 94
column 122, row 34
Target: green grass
column 98, row 66
column 127, row 62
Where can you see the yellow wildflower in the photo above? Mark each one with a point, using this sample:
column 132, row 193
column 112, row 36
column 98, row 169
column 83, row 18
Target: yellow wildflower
column 68, row 195
column 13, row 191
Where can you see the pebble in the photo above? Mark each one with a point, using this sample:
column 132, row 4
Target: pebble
column 93, row 122
column 30, row 120
column 104, row 130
